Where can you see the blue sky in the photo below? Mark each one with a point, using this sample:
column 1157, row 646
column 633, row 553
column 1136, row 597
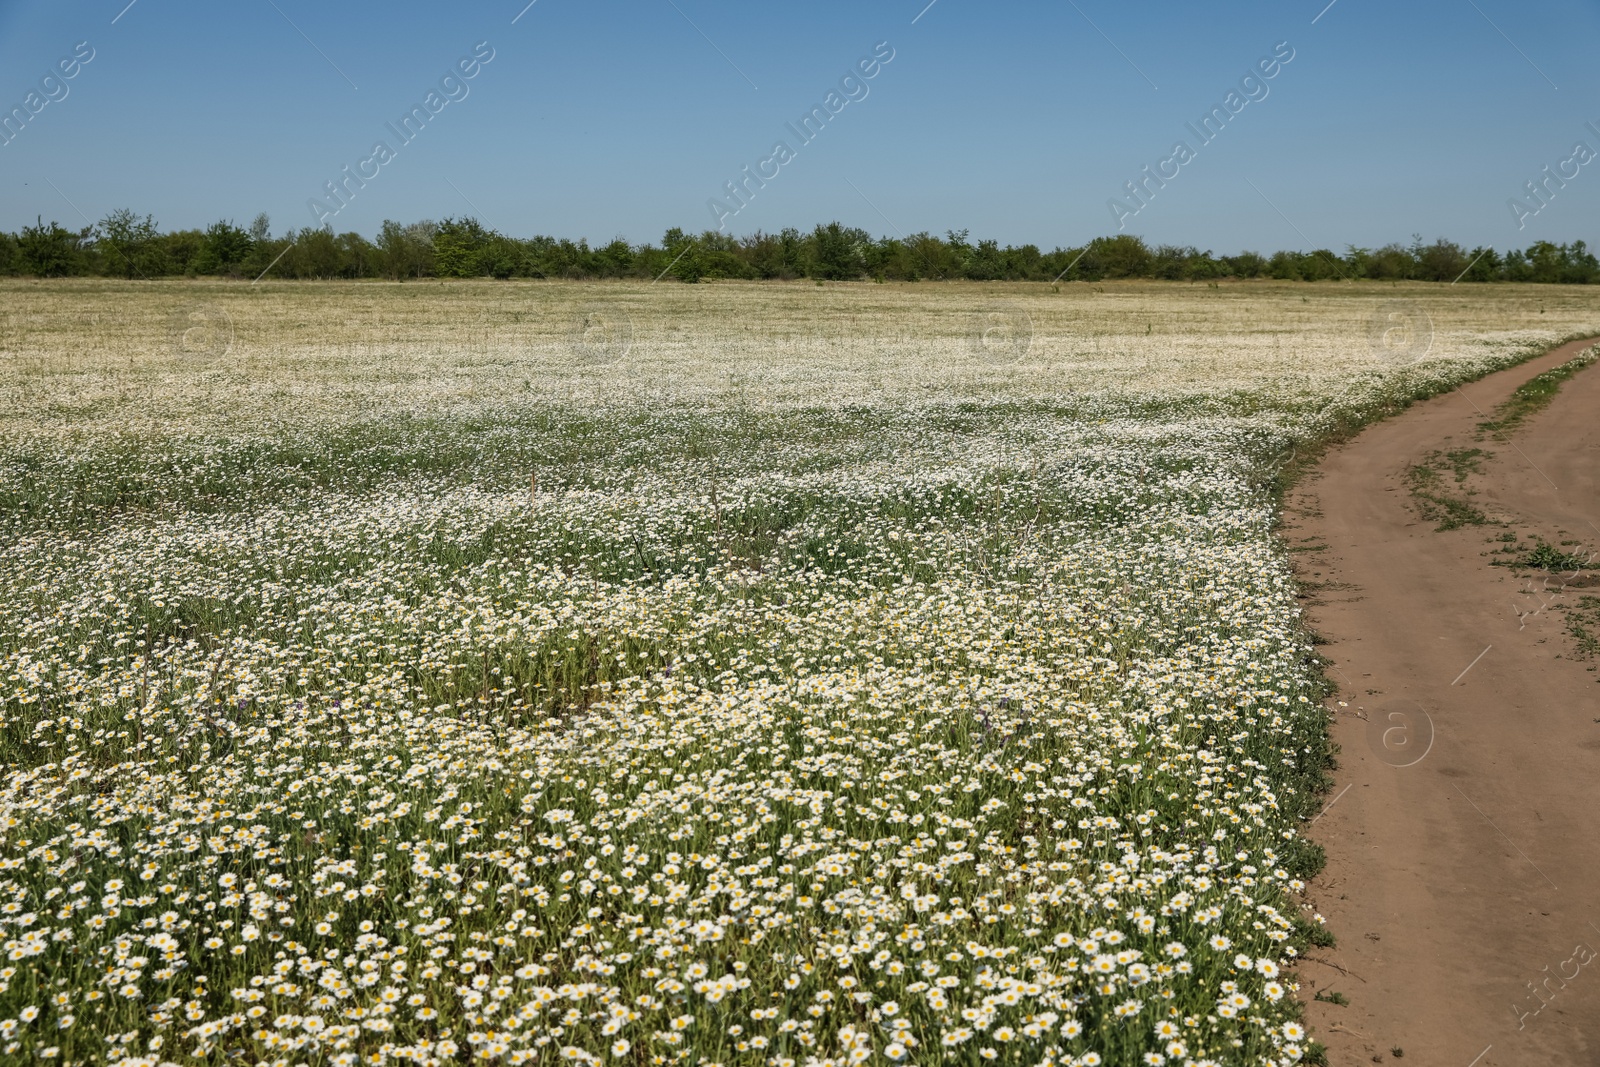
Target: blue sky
column 624, row 117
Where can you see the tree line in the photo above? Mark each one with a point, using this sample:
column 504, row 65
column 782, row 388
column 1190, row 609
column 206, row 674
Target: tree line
column 124, row 245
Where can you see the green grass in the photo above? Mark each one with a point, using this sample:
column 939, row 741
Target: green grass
column 1534, row 395
column 1583, row 620
column 1427, row 482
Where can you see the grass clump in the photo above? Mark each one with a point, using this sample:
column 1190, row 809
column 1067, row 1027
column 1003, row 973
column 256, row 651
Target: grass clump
column 1544, row 556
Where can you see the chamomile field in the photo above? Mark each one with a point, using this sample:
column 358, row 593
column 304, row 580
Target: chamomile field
column 770, row 674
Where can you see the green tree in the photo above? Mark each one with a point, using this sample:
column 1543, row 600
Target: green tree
column 273, row 255
column 391, row 249
column 315, row 254
column 721, row 255
column 9, row 259
column 357, row 257
column 181, row 250
column 1026, row 262
column 680, row 253
column 957, row 252
column 1546, row 262
column 456, row 244
column 1582, row 267
column 406, row 251
column 1284, row 266
column 792, row 247
column 1442, row 261
column 1246, row 265
column 1391, row 263
column 1062, row 264
column 888, row 258
column 264, row 249
column 1122, row 256
column 1170, row 262
column 985, row 263
column 50, row 251
column 1486, row 265
column 1320, row 265
column 227, row 249
column 836, row 252
column 131, row 244
column 615, row 259
column 1516, row 267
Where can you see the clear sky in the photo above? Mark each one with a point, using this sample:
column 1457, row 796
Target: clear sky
column 1016, row 121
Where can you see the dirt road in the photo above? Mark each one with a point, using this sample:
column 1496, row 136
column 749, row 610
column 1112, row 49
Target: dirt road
column 1463, row 829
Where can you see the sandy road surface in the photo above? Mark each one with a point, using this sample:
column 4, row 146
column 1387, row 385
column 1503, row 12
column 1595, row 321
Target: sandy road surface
column 1463, row 835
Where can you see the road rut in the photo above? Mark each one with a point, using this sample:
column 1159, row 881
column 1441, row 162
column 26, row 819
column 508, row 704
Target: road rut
column 1463, row 876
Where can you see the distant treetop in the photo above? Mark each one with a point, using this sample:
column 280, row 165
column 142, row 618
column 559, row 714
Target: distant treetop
column 124, row 245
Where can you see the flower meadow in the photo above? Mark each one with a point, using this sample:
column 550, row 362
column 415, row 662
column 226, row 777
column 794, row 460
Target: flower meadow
column 377, row 690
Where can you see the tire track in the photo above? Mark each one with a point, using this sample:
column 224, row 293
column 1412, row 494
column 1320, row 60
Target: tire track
column 1463, row 876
